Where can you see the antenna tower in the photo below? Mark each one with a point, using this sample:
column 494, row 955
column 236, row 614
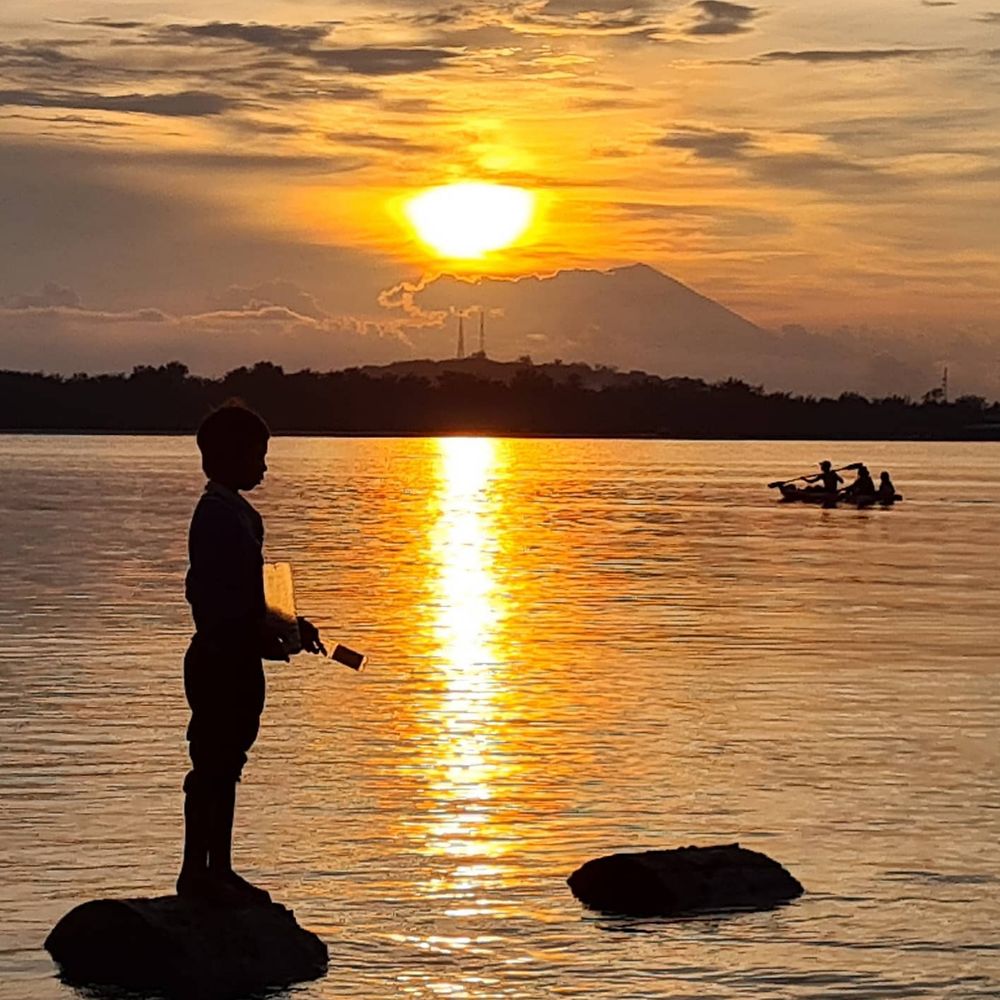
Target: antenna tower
column 944, row 384
column 460, row 353
column 482, row 333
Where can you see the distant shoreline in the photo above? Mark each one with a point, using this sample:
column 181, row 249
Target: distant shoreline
column 480, row 397
column 513, row 435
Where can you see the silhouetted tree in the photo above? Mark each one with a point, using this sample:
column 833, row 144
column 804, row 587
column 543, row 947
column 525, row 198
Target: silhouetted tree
column 168, row 398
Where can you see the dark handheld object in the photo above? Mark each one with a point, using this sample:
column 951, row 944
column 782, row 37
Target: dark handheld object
column 349, row 657
column 778, row 483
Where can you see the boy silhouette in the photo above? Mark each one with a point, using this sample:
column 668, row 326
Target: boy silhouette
column 223, row 669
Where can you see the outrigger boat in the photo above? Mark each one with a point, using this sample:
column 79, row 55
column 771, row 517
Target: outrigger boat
column 790, row 493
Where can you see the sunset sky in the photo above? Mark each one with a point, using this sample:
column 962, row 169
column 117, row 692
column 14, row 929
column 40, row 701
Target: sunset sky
column 177, row 175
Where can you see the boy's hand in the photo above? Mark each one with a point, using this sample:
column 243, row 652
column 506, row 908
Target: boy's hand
column 309, row 635
column 272, row 647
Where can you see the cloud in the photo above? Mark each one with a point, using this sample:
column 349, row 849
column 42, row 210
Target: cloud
column 285, row 294
column 186, row 104
column 34, row 56
column 65, row 339
column 281, row 38
column 51, row 294
column 568, row 18
column 384, row 60
column 98, row 317
column 97, row 220
column 821, row 171
column 849, row 55
column 989, row 17
column 106, row 22
column 375, row 140
column 306, row 163
column 818, row 170
column 301, row 42
column 638, row 19
column 716, row 17
column 711, row 221
column 709, row 144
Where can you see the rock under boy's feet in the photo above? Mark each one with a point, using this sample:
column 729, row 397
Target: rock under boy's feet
column 201, row 885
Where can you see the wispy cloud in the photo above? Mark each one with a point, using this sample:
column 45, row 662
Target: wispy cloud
column 303, row 42
column 588, row 18
column 376, row 140
column 716, row 17
column 709, row 144
column 31, row 55
column 282, row 38
column 384, row 60
column 51, row 294
column 186, row 104
column 850, row 55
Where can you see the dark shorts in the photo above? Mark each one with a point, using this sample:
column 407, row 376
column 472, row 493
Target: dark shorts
column 225, row 691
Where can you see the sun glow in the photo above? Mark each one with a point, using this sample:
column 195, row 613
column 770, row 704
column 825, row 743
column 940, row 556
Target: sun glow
column 470, row 219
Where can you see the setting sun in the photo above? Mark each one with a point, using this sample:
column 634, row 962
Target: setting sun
column 469, row 219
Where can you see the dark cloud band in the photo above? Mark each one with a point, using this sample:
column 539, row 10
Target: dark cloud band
column 186, row 104
column 716, row 17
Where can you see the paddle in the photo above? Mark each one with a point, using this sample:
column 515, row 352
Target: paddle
column 844, row 468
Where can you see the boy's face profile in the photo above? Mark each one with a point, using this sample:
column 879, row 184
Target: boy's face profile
column 248, row 466
column 241, row 467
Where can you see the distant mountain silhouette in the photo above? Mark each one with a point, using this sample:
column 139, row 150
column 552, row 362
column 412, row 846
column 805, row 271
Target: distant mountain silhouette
column 627, row 316
column 637, row 318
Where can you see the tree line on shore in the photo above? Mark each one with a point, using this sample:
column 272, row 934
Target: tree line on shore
column 170, row 399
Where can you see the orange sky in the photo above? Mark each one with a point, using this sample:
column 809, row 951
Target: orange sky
column 808, row 164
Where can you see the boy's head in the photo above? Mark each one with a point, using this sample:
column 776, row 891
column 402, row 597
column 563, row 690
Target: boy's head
column 233, row 444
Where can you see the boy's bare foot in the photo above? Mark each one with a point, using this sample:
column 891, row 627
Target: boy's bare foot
column 220, row 888
column 240, row 887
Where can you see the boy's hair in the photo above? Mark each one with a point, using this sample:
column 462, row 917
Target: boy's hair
column 231, row 428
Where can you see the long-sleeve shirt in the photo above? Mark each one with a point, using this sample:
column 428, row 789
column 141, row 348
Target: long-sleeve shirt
column 225, row 581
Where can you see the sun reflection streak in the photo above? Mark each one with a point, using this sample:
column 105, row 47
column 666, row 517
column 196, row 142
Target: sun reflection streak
column 468, row 616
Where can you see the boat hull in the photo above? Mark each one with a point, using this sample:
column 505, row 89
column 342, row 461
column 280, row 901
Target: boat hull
column 821, row 498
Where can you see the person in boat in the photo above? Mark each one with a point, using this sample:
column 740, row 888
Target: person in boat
column 886, row 492
column 830, row 478
column 863, row 485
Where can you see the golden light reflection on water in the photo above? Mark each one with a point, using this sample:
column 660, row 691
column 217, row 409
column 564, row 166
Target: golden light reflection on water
column 468, row 617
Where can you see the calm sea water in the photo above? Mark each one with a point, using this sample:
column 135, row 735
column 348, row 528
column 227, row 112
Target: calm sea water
column 576, row 647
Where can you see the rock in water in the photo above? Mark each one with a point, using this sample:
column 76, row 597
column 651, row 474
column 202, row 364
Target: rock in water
column 684, row 880
column 185, row 946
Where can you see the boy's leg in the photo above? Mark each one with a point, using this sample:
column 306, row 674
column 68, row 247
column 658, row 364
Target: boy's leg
column 220, row 847
column 218, row 753
column 194, row 866
column 226, row 695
